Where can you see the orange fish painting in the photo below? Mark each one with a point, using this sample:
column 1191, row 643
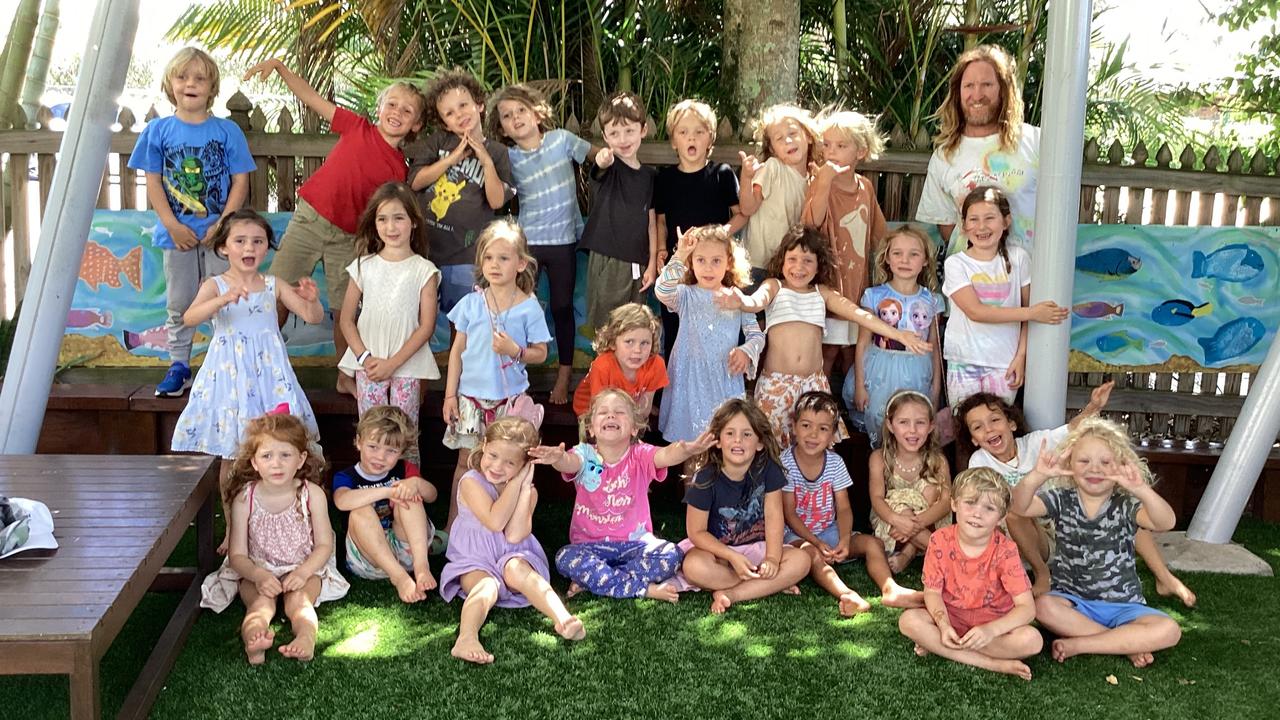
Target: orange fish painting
column 100, row 267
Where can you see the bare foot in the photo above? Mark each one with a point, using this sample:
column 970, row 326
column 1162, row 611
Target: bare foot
column 896, row 596
column 920, row 652
column 1063, row 648
column 224, row 545
column 408, row 590
column 257, row 645
column 471, row 650
column 426, row 582
column 1141, row 660
column 1183, row 592
column 571, row 628
column 720, row 602
column 662, row 591
column 898, row 562
column 1040, row 586
column 302, row 648
column 793, row 590
column 851, row 604
column 345, row 385
column 560, row 393
column 1013, row 667
column 574, row 589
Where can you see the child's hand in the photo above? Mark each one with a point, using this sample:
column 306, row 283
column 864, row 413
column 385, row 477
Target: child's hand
column 269, row 586
column 698, row 445
column 1129, row 477
column 840, row 552
column 458, row 152
column 912, row 342
column 750, row 165
column 977, row 638
column 504, row 345
column 1049, row 464
column 604, row 158
column 904, row 524
column 264, row 69
column 1048, row 312
column 949, row 637
column 184, row 238
column 405, row 492
column 307, row 290
column 234, row 294
column 729, row 299
column 449, row 410
column 827, row 171
column 742, row 567
column 526, row 476
column 478, row 149
column 685, row 243
column 768, row 569
column 650, row 274
column 293, row 581
column 739, row 361
column 379, row 369
column 1015, row 372
column 547, row 455
column 662, row 256
column 861, row 398
column 1101, row 395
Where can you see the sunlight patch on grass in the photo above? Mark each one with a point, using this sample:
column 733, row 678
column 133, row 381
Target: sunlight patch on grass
column 362, row 642
column 811, row 651
column 545, row 640
column 759, row 650
column 856, row 651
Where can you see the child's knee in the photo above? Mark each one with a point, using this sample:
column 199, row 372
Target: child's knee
column 1165, row 632
column 912, row 621
column 1026, row 640
column 698, row 562
column 795, row 563
column 517, row 571
column 1051, row 607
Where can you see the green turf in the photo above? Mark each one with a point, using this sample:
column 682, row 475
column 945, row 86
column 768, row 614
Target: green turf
column 778, row 657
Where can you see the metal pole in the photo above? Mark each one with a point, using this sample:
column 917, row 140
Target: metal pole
column 1242, row 459
column 1066, row 72
column 65, row 227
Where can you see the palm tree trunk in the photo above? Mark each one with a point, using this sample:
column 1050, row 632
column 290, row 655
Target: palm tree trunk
column 38, row 68
column 762, row 53
column 17, row 53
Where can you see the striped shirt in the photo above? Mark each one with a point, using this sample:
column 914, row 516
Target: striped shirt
column 547, row 187
column 816, row 499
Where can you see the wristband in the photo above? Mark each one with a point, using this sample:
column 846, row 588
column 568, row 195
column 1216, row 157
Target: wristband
column 520, row 355
column 362, row 357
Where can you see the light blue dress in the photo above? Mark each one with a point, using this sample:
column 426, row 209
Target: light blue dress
column 246, row 372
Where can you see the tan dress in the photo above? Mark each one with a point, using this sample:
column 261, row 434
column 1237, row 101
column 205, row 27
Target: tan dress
column 903, row 495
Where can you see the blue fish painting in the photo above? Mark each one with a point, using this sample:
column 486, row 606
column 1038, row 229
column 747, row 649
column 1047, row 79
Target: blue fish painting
column 1173, row 313
column 1117, row 341
column 1109, row 264
column 1232, row 340
column 1236, row 262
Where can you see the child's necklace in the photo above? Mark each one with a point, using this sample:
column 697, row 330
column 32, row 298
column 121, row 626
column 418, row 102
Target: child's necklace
column 907, row 470
column 496, row 316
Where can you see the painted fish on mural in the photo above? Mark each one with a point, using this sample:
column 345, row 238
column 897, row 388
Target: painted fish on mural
column 1236, row 262
column 1109, row 264
column 100, row 267
column 1119, row 340
column 1173, row 313
column 1232, row 340
column 1098, row 309
column 84, row 318
column 156, row 338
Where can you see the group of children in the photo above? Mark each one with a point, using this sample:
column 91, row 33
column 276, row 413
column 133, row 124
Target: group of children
column 407, row 227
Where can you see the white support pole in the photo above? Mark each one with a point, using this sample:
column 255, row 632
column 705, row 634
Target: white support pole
column 1053, row 255
column 65, row 227
column 1243, row 457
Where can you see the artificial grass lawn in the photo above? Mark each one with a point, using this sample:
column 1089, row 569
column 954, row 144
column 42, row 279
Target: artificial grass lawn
column 776, row 657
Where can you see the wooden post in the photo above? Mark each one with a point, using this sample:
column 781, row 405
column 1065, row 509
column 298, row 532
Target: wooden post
column 19, row 164
column 128, row 176
column 286, row 168
column 258, row 178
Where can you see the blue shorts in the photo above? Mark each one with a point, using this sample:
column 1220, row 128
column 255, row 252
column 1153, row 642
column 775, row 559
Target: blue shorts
column 830, row 536
column 1109, row 614
column 456, row 281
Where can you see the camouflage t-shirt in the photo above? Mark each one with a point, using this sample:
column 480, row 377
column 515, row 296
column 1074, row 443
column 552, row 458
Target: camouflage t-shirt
column 1094, row 556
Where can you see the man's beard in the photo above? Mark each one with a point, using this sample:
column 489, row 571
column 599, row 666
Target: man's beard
column 984, row 114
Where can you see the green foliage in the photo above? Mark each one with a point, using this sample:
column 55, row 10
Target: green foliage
column 1254, row 93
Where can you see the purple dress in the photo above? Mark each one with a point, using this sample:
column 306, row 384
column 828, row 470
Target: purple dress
column 472, row 546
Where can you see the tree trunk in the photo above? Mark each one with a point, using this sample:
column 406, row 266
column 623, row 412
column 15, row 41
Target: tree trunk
column 38, row 68
column 17, row 53
column 762, row 54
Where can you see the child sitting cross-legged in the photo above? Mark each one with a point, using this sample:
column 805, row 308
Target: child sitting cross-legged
column 388, row 531
column 978, row 603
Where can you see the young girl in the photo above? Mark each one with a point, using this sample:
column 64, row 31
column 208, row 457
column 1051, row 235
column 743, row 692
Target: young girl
column 989, row 285
column 625, row 359
column 735, row 518
column 542, row 167
column 1096, row 605
column 819, row 519
column 842, row 205
column 905, row 265
column 387, row 347
column 487, row 377
column 494, row 559
column 796, row 298
column 908, row 479
column 614, row 552
column 281, row 540
column 707, row 363
column 771, row 190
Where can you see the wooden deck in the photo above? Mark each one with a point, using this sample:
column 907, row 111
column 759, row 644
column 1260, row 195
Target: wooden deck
column 117, row 519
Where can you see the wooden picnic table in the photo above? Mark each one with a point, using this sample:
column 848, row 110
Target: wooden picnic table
column 117, row 519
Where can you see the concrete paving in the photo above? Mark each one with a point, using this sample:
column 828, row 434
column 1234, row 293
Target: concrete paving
column 1184, row 554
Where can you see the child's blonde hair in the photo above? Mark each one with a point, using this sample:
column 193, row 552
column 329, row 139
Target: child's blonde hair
column 413, row 91
column 856, row 128
column 623, row 319
column 283, row 427
column 389, row 425
column 1114, row 437
column 933, row 470
column 738, row 273
column 696, row 108
column 759, row 425
column 526, row 95
column 184, row 57
column 507, row 230
column 976, row 482
column 621, row 106
column 928, row 274
column 512, row 429
column 639, row 422
column 782, row 113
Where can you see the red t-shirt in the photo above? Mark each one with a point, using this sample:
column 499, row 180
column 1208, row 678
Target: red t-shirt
column 606, row 373
column 987, row 581
column 358, row 165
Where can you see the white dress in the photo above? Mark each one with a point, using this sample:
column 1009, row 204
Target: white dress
column 390, row 293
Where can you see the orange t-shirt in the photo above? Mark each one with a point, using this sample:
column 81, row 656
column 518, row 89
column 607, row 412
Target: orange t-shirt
column 988, row 581
column 606, row 373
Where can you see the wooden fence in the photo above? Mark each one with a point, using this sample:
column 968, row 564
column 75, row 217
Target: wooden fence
column 1117, row 186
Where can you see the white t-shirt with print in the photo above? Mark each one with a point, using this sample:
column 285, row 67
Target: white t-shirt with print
column 986, row 344
column 1028, row 447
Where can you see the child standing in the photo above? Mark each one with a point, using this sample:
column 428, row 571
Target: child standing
column 881, row 367
column 819, row 519
column 613, row 550
column 367, row 155
column 197, row 168
column 908, row 479
column 771, row 193
column 388, row 531
column 842, row 205
column 978, row 603
column 494, row 559
column 989, row 285
column 542, row 165
column 393, row 291
column 281, row 540
column 1096, row 604
column 707, row 362
column 462, row 178
column 621, row 236
column 625, row 360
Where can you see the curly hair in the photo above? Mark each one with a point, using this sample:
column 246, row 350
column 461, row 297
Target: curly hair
column 994, row 196
column 995, row 403
column 775, row 114
column 512, row 429
column 389, row 425
column 713, row 458
column 217, row 240
column 1111, row 434
column 639, row 420
column 527, row 96
column 441, row 83
column 856, row 128
column 808, row 240
column 934, row 470
column 738, row 273
column 285, row 428
column 951, row 115
column 623, row 319
column 507, row 230
column 928, row 274
column 179, row 62
column 973, row 483
column 368, row 241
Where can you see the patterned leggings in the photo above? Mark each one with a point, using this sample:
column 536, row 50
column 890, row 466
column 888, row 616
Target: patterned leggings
column 403, row 392
column 619, row 569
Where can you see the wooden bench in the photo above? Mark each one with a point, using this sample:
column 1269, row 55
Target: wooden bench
column 117, row 520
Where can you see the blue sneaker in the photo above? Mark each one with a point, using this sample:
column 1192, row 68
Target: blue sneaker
column 175, row 382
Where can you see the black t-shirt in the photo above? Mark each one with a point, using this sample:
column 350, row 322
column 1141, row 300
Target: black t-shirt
column 618, row 224
column 698, row 198
column 735, row 508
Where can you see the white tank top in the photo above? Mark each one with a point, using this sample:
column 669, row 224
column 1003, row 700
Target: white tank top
column 792, row 306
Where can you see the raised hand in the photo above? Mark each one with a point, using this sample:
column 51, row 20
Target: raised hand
column 478, row 149
column 698, row 445
column 547, row 455
column 685, row 243
column 750, row 166
column 1101, row 395
column 604, row 158
column 1129, row 477
column 307, row 290
column 729, row 299
column 827, row 171
column 1050, row 463
column 264, row 69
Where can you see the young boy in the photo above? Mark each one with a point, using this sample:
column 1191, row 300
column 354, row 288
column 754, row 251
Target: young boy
column 625, row 360
column 693, row 192
column 621, row 236
column 388, row 531
column 197, row 169
column 462, row 179
column 330, row 201
column 978, row 603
